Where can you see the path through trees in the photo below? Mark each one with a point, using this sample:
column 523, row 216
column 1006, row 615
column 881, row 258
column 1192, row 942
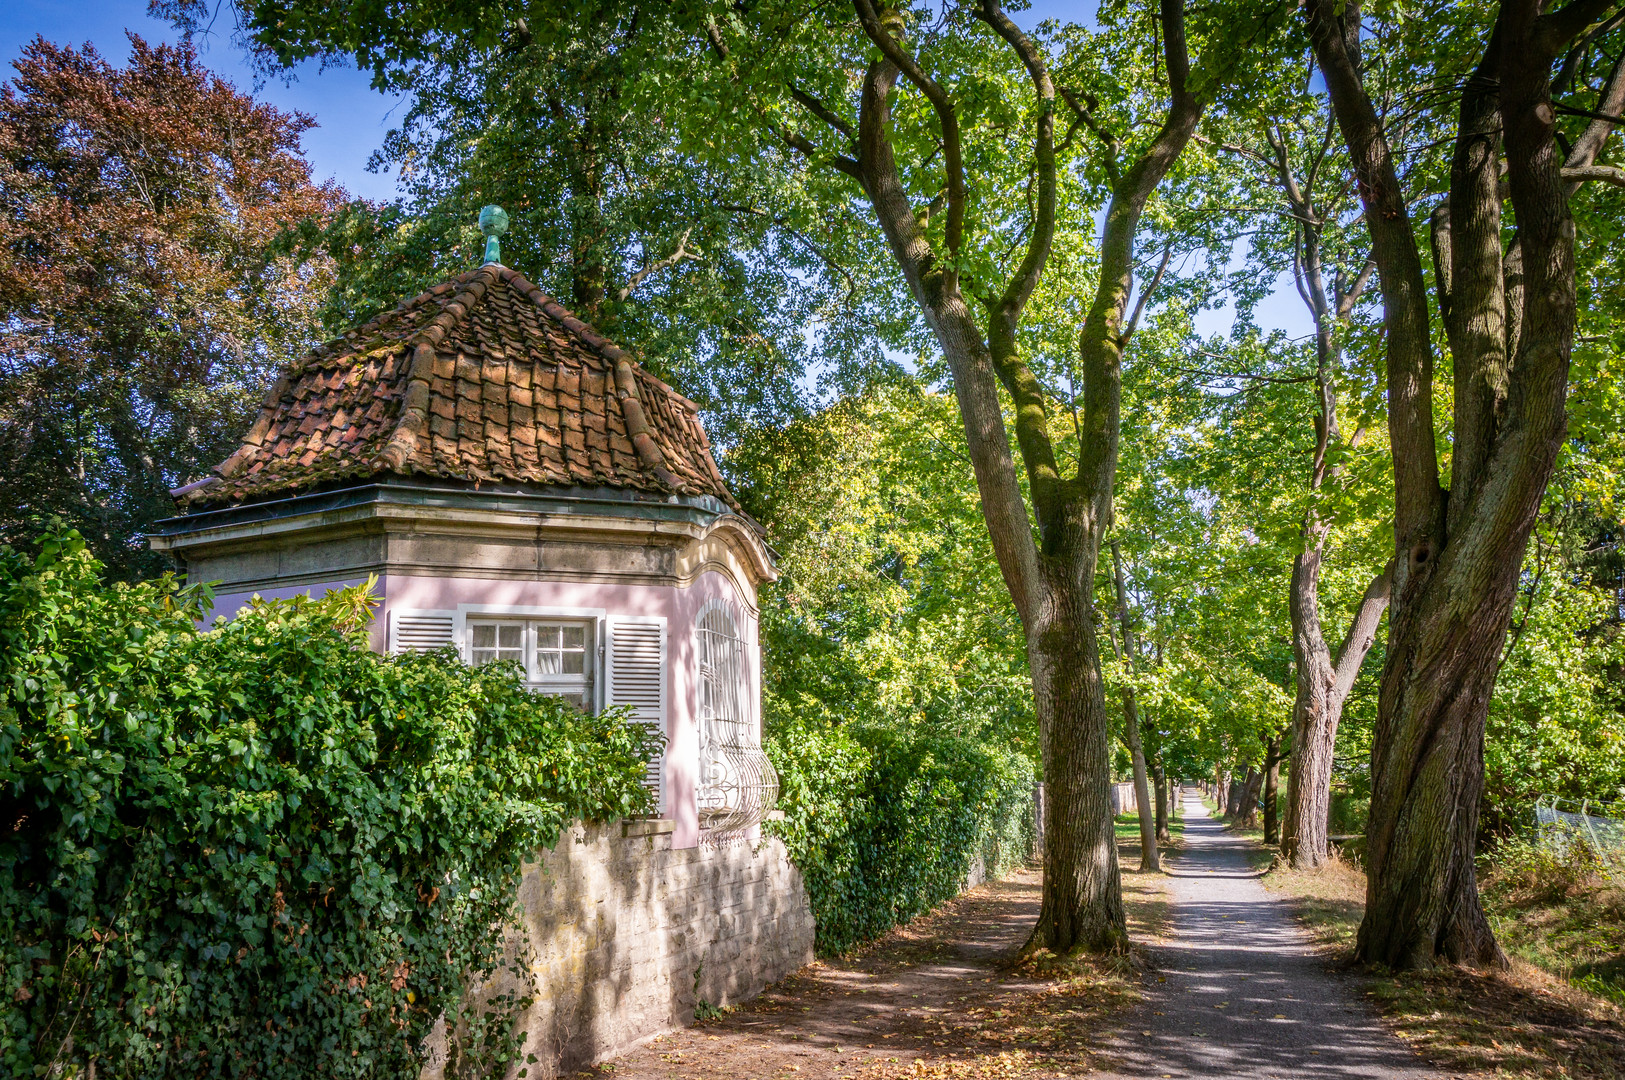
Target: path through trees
column 1236, row 990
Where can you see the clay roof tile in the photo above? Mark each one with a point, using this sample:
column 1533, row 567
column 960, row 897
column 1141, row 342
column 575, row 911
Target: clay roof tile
column 482, row 377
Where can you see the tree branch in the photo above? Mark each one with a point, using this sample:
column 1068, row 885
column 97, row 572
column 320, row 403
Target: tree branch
column 1608, row 174
column 1026, row 394
column 1083, row 109
column 1583, row 155
column 1418, row 499
column 953, row 163
column 673, row 259
column 1554, row 30
column 804, row 146
column 1145, row 296
column 1362, row 631
column 822, row 111
column 1347, row 300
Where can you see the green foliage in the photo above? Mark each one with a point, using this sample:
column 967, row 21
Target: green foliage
column 262, row 849
column 890, row 608
column 896, row 692
column 885, row 824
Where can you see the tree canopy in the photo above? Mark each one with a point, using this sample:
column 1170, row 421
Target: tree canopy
column 148, row 300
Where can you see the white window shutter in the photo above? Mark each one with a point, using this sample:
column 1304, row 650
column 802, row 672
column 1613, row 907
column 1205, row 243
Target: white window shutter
column 637, row 678
column 420, row 630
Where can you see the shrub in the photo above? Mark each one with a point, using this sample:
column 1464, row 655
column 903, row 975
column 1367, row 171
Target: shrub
column 260, row 849
column 1551, row 866
column 886, row 824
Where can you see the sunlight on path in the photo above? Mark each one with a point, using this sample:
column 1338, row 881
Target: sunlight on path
column 1239, row 991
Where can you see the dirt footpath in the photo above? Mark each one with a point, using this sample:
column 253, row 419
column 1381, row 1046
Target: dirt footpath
column 936, row 998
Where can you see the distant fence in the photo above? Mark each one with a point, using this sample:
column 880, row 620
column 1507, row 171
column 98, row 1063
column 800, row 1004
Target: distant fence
column 1559, row 822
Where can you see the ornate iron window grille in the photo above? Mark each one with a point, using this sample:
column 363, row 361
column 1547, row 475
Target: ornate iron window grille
column 737, row 783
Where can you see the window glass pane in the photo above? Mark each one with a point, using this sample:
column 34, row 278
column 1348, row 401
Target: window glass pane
column 497, row 641
column 575, row 637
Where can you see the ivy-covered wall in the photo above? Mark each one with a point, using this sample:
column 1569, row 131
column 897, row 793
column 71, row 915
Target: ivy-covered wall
column 885, row 824
column 261, row 848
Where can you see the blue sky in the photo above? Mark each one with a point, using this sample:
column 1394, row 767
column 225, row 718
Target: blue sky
column 352, row 118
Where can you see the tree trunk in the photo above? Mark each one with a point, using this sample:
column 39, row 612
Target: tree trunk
column 1163, row 835
column 1314, row 722
column 1149, row 857
column 1249, row 797
column 1082, row 900
column 1272, row 791
column 1458, row 555
column 1323, row 687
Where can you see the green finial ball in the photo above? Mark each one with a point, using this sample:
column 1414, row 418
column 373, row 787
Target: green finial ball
column 493, row 220
column 493, row 223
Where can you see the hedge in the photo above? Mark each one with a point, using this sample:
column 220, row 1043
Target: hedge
column 261, row 849
column 885, row 824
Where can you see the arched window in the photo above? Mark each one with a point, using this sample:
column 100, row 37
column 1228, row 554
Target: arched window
column 737, row 783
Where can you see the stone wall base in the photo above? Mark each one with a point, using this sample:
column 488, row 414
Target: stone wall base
column 625, row 935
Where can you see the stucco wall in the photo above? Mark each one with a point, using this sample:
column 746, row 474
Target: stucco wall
column 678, row 605
column 626, row 934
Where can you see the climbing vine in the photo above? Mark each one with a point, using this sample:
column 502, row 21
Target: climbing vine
column 261, row 849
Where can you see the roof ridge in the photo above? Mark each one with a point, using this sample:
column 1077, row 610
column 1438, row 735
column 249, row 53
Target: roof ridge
column 626, row 370
column 414, row 415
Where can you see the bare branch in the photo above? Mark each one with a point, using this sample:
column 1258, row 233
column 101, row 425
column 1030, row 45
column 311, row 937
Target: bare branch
column 881, row 35
column 1586, row 148
column 1362, row 631
column 1145, row 296
column 1204, row 373
column 714, row 36
column 1347, row 300
column 1608, row 174
column 1083, row 109
column 1557, row 28
column 804, row 146
column 823, row 112
column 1026, row 277
column 673, row 259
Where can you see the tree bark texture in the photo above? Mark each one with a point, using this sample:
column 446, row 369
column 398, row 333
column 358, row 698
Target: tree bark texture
column 1163, row 835
column 1458, row 554
column 1247, row 812
column 1324, row 683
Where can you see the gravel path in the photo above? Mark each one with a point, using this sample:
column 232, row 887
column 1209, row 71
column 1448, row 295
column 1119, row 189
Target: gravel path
column 1238, row 990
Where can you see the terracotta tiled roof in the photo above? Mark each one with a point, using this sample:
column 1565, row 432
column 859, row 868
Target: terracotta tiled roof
column 481, row 378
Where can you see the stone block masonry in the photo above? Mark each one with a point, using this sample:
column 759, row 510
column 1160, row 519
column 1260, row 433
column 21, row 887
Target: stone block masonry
column 625, row 935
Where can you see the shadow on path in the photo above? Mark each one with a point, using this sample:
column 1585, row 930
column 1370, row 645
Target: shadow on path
column 1239, row 991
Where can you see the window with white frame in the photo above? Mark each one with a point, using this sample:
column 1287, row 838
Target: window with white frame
column 556, row 655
